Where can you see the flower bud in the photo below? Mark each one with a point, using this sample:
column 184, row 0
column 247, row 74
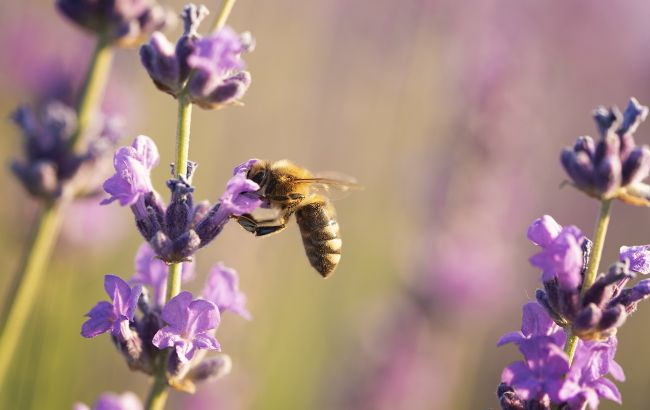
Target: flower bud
column 637, row 166
column 211, row 369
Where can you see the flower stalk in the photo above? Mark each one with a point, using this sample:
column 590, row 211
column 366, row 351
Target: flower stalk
column 93, row 88
column 223, row 15
column 26, row 283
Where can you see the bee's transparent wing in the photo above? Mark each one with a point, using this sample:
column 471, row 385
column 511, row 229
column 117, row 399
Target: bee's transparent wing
column 333, row 185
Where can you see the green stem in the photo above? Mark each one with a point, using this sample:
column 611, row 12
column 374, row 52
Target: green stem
column 592, row 267
column 174, row 280
column 226, row 8
column 183, row 136
column 30, row 275
column 158, row 394
column 93, row 88
column 599, row 241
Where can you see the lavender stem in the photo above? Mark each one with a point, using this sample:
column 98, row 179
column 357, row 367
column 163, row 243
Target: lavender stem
column 223, row 15
column 93, row 88
column 592, row 268
column 21, row 294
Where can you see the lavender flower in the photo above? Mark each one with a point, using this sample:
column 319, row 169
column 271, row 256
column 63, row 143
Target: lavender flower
column 113, row 316
column 133, row 167
column 614, row 167
column 112, row 401
column 222, row 289
column 190, row 324
column 638, row 257
column 178, row 231
column 585, row 383
column 151, row 271
column 562, row 256
column 535, row 322
column 51, row 166
column 541, row 373
column 209, row 69
column 125, row 23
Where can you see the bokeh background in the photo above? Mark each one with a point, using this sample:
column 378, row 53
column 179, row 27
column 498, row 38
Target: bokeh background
column 451, row 114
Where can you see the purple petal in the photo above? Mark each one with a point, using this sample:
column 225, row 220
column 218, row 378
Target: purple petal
column 639, row 257
column 166, row 337
column 201, row 317
column 222, row 289
column 543, row 231
column 100, row 320
column 608, row 390
column 535, row 321
column 512, row 337
column 245, row 166
column 147, row 151
column 519, row 376
column 235, row 200
column 206, row 341
column 185, row 351
column 175, row 311
column 111, row 401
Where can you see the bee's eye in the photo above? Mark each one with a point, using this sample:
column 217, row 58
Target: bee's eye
column 258, row 177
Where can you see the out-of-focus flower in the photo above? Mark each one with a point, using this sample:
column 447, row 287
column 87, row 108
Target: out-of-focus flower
column 51, row 166
column 190, row 326
column 125, row 23
column 222, row 289
column 114, row 316
column 151, row 271
column 614, row 167
column 638, row 258
column 112, row 401
column 208, row 69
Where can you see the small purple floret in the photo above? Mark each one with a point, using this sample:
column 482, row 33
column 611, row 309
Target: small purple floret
column 561, row 257
column 639, row 257
column 543, row 231
column 222, row 289
column 535, row 322
column 113, row 316
column 585, row 383
column 133, row 167
column 190, row 326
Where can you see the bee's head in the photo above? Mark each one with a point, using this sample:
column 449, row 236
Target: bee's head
column 258, row 173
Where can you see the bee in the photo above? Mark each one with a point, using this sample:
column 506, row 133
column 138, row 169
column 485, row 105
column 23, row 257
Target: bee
column 290, row 189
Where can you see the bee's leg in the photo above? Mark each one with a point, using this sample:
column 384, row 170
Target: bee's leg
column 261, row 227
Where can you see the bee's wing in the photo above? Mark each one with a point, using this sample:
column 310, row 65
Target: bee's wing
column 332, row 185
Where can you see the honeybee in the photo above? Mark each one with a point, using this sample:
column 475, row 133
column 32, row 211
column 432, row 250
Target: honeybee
column 288, row 189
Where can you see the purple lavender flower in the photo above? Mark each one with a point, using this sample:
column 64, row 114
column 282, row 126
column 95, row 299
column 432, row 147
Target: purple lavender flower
column 614, row 167
column 116, row 315
column 541, row 373
column 219, row 78
column 50, row 164
column 585, row 383
column 112, row 401
column 535, row 322
column 151, row 271
column 209, row 69
column 122, row 22
column 638, row 257
column 133, row 167
column 562, row 256
column 222, row 289
column 236, row 200
column 190, row 324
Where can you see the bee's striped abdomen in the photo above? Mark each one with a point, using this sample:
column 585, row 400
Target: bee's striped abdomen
column 320, row 235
